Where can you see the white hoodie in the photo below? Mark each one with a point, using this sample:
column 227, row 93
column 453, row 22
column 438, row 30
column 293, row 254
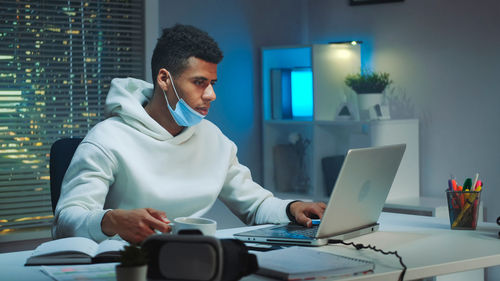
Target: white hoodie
column 129, row 161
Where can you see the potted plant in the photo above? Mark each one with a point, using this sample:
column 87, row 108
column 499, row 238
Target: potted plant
column 133, row 264
column 369, row 86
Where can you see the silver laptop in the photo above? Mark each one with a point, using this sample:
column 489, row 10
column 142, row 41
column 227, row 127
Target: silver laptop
column 355, row 203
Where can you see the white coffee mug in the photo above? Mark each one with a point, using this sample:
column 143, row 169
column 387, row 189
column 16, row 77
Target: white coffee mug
column 206, row 226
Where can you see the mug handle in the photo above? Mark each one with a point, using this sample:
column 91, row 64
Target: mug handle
column 171, row 224
column 183, row 231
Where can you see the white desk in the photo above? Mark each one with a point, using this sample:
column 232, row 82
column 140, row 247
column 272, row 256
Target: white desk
column 427, row 245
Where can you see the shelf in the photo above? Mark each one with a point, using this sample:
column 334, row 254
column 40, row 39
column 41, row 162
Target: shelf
column 285, row 171
column 339, row 123
column 289, row 122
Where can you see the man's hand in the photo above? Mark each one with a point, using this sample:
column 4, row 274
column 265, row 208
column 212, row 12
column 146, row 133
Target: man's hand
column 134, row 225
column 304, row 211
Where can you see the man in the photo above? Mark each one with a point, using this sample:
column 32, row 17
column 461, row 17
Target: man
column 156, row 158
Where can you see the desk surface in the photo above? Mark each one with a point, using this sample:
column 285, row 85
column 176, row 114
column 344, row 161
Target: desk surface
column 427, row 245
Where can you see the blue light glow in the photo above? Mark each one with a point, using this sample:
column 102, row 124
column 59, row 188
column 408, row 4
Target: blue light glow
column 302, row 93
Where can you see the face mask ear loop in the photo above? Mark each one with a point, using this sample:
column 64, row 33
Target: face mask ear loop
column 165, row 95
column 173, row 86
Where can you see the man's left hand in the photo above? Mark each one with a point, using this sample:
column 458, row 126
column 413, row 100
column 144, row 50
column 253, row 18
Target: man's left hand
column 305, row 211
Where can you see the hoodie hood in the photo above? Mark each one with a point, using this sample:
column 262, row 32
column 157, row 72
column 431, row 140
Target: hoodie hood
column 126, row 99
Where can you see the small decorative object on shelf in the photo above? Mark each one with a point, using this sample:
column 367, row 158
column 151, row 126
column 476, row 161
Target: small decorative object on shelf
column 344, row 112
column 301, row 183
column 133, row 264
column 369, row 86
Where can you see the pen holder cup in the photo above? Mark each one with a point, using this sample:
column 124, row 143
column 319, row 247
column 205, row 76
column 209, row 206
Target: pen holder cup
column 463, row 207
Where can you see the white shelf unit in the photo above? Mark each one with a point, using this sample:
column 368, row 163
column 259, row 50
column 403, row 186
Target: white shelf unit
column 329, row 64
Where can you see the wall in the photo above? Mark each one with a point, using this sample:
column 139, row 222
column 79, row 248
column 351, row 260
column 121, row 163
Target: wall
column 240, row 28
column 151, row 33
column 444, row 54
column 441, row 54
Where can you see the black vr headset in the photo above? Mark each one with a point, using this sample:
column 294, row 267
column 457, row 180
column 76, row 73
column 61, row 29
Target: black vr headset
column 197, row 258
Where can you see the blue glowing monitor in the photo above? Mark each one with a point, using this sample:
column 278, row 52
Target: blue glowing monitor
column 302, row 93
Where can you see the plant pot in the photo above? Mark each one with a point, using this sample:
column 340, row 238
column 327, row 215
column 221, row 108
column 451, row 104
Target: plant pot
column 131, row 273
column 367, row 101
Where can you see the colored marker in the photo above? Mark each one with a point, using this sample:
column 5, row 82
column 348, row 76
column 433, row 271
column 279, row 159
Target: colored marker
column 478, row 184
column 467, row 184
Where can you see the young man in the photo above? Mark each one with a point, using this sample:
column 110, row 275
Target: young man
column 155, row 158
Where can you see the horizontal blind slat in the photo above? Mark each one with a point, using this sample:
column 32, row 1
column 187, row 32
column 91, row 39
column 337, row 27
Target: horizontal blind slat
column 22, row 205
column 28, row 224
column 38, row 209
column 24, row 199
column 34, row 213
column 9, row 191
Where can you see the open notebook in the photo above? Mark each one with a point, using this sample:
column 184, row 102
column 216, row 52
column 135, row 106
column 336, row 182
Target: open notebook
column 355, row 203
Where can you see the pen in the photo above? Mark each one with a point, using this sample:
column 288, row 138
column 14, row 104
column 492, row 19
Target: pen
column 476, row 178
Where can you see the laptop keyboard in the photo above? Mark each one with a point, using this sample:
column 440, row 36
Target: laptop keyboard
column 295, row 231
column 308, row 232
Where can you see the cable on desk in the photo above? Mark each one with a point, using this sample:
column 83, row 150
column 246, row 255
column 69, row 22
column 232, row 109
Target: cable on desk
column 361, row 246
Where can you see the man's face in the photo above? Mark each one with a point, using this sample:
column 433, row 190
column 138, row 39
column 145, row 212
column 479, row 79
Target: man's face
column 195, row 85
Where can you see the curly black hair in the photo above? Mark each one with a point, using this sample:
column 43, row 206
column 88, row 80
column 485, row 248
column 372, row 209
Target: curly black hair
column 180, row 42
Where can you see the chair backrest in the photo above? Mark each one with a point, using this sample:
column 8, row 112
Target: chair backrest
column 61, row 154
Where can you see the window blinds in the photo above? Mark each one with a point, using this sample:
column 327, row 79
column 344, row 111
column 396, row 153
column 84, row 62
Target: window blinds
column 57, row 59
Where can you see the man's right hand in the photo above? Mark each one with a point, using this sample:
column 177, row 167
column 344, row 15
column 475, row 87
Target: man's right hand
column 134, row 225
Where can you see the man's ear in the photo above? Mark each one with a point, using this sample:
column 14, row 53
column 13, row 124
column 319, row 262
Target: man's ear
column 163, row 79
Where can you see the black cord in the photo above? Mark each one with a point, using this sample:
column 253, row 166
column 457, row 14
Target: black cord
column 498, row 222
column 361, row 246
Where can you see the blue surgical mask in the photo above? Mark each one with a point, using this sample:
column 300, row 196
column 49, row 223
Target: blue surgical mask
column 183, row 114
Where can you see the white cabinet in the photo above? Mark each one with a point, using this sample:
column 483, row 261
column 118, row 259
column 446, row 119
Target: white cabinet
column 407, row 181
column 284, row 172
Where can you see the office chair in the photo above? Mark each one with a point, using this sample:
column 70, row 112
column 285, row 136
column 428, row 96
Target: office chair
column 61, row 154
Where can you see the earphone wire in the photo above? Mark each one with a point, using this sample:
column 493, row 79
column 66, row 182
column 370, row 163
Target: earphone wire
column 360, row 246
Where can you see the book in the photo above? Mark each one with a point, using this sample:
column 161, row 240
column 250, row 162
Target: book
column 281, row 93
column 76, row 250
column 300, row 263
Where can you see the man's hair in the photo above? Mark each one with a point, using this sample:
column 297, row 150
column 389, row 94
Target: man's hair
column 179, row 43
